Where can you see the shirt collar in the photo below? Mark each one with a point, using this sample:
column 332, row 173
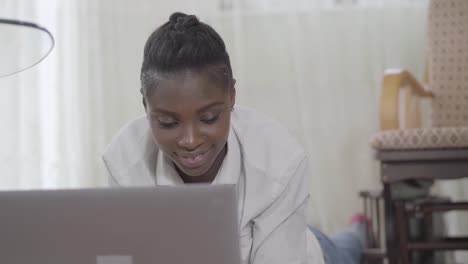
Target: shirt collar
column 229, row 172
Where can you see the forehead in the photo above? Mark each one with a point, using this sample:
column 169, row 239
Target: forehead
column 188, row 90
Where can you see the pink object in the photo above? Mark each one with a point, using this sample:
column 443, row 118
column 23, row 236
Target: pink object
column 359, row 218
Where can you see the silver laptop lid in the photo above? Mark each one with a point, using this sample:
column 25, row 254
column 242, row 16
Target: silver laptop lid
column 194, row 224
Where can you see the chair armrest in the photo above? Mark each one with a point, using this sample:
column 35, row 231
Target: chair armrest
column 393, row 81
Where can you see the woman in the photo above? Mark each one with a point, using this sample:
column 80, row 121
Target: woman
column 194, row 133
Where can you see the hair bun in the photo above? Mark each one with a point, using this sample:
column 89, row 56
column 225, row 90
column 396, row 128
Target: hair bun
column 175, row 16
column 183, row 21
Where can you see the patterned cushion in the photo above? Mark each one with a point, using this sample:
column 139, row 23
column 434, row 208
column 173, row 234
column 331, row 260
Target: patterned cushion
column 448, row 62
column 422, row 138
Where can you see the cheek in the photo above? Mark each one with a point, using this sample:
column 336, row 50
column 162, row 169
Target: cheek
column 220, row 132
column 166, row 140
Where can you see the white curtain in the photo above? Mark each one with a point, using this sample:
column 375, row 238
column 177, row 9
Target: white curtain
column 318, row 72
column 313, row 65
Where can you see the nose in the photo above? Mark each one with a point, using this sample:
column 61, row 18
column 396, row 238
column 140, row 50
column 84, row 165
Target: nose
column 190, row 138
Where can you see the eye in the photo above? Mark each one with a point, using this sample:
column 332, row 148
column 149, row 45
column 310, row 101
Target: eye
column 165, row 122
column 168, row 125
column 210, row 120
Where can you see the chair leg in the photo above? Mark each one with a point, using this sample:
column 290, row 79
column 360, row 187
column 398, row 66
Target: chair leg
column 377, row 224
column 390, row 230
column 403, row 231
column 428, row 256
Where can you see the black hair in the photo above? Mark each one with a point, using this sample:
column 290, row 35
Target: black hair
column 181, row 45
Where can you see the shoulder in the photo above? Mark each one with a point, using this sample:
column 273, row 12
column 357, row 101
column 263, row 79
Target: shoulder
column 132, row 145
column 273, row 169
column 129, row 137
column 266, row 145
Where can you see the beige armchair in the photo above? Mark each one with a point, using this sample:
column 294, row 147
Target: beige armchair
column 438, row 151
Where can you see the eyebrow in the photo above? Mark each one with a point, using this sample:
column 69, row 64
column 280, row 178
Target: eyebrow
column 204, row 108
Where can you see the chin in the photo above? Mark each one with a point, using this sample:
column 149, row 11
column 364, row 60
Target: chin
column 196, row 172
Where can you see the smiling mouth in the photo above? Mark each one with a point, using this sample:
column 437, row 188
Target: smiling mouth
column 193, row 161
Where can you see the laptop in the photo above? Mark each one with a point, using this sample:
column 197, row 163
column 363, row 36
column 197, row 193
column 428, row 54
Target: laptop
column 195, row 224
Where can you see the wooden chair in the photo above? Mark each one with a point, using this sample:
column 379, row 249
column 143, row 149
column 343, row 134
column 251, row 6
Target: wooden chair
column 374, row 252
column 412, row 152
column 428, row 242
column 424, row 240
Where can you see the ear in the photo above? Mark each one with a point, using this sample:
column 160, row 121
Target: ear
column 143, row 99
column 144, row 103
column 232, row 93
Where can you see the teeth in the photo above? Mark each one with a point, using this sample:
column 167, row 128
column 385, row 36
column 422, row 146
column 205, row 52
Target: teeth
column 196, row 158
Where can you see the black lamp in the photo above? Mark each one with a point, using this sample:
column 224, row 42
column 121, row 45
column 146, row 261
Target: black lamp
column 22, row 45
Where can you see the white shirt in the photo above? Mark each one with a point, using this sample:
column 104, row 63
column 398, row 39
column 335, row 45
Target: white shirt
column 268, row 167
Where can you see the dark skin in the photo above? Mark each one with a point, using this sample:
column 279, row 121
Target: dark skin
column 190, row 118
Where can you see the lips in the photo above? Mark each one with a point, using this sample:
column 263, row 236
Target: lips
column 193, row 160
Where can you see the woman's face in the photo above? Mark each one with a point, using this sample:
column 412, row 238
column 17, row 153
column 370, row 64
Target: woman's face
column 190, row 119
